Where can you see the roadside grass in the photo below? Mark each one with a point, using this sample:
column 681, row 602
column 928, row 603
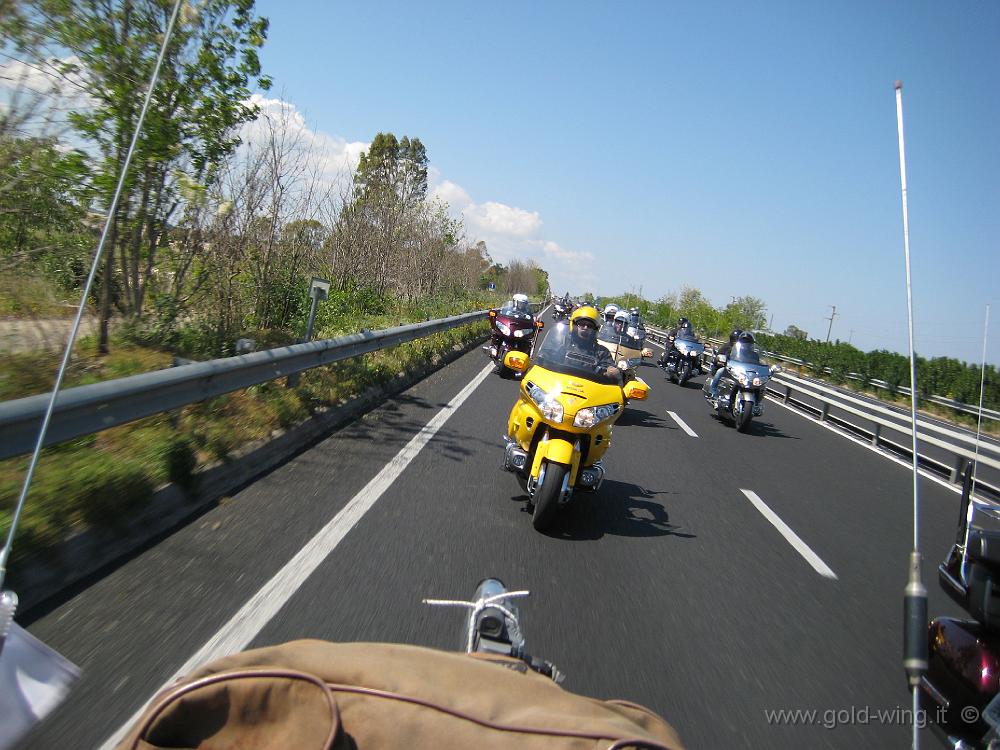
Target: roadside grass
column 101, row 479
column 26, row 295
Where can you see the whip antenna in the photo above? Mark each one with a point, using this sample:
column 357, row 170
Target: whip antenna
column 982, row 387
column 915, row 596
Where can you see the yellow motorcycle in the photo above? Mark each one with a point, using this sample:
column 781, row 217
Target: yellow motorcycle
column 560, row 426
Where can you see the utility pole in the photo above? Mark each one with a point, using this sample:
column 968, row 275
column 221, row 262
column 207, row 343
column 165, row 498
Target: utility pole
column 770, row 326
column 832, row 316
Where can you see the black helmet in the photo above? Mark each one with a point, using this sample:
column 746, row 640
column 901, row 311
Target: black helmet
column 682, row 322
column 734, row 335
column 745, row 337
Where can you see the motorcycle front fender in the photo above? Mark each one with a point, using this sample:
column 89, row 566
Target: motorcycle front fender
column 749, row 396
column 557, row 450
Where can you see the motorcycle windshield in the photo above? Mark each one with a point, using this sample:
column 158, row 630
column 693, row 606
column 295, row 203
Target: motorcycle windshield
column 560, row 353
column 744, row 353
column 687, row 342
column 515, row 316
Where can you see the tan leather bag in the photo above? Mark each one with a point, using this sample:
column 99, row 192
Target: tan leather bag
column 314, row 695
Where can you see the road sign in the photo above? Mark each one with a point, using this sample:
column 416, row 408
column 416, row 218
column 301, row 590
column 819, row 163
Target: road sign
column 319, row 288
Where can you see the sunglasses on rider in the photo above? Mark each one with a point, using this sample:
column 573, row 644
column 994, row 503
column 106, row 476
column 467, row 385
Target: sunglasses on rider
column 586, row 324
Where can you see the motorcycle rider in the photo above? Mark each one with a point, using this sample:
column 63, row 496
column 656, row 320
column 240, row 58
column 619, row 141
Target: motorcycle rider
column 610, row 312
column 583, row 324
column 520, row 303
column 683, row 325
column 736, row 337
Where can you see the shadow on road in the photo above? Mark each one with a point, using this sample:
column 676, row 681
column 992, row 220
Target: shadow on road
column 636, row 417
column 764, row 429
column 757, row 429
column 619, row 508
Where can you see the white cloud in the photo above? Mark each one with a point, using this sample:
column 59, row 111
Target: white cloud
column 454, row 195
column 499, row 218
column 553, row 250
column 333, row 158
column 41, row 90
column 41, row 77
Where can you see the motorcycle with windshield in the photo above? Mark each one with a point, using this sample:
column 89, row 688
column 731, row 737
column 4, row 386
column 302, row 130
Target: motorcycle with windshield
column 683, row 360
column 560, row 426
column 561, row 309
column 960, row 691
column 626, row 345
column 511, row 330
column 740, row 392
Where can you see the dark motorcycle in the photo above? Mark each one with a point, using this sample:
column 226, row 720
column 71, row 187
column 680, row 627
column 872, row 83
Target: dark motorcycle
column 561, row 311
column 961, row 689
column 510, row 331
column 683, row 358
column 740, row 392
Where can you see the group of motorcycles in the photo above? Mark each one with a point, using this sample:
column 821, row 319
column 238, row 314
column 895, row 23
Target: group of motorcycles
column 738, row 395
column 560, row 426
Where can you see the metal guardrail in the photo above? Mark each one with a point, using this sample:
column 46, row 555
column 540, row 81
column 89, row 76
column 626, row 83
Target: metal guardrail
column 91, row 408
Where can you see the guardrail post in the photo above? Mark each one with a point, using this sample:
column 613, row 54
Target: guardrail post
column 956, row 470
column 876, row 434
column 824, row 412
column 788, row 393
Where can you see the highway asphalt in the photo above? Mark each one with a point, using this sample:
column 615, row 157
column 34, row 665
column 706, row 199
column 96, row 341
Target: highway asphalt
column 671, row 587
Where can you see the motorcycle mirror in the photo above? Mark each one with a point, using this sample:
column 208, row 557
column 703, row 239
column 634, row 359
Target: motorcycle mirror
column 775, row 369
column 635, row 390
column 517, row 361
column 647, row 352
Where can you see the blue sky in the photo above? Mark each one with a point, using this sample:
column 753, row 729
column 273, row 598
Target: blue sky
column 738, row 148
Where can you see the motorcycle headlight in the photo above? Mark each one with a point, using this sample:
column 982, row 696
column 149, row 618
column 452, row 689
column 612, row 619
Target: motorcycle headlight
column 741, row 378
column 591, row 415
column 552, row 410
column 503, row 328
column 520, row 332
column 758, row 381
column 692, row 353
column 622, row 364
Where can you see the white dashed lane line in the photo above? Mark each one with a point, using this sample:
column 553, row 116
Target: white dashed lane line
column 793, row 539
column 682, row 424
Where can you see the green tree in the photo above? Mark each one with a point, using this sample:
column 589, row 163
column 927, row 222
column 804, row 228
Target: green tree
column 200, row 101
column 395, row 166
column 41, row 189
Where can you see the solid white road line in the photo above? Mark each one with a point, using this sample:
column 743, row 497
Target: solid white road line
column 266, row 603
column 793, row 539
column 682, row 424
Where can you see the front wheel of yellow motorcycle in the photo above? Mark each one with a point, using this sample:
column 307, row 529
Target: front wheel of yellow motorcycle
column 546, row 498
